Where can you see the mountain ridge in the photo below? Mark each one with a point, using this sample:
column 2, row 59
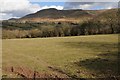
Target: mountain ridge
column 73, row 15
column 55, row 14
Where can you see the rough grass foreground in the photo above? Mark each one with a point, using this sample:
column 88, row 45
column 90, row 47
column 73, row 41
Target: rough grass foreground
column 94, row 56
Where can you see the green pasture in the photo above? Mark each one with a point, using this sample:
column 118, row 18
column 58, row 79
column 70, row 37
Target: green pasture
column 78, row 57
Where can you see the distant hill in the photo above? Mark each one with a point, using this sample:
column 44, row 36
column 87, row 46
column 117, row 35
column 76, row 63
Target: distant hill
column 13, row 19
column 73, row 15
column 55, row 14
column 58, row 15
column 111, row 14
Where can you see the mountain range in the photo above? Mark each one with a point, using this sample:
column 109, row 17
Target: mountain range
column 73, row 15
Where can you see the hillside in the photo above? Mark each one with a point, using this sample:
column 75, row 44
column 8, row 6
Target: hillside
column 73, row 15
column 58, row 15
column 55, row 14
column 108, row 15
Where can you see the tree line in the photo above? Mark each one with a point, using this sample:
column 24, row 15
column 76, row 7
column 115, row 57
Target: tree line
column 58, row 29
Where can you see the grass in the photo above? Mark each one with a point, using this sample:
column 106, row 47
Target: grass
column 80, row 56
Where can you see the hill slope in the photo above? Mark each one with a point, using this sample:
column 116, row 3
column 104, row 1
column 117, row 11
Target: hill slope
column 58, row 15
column 75, row 15
column 55, row 14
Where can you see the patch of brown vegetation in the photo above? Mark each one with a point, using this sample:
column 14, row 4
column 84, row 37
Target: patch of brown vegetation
column 56, row 70
column 28, row 73
column 76, row 20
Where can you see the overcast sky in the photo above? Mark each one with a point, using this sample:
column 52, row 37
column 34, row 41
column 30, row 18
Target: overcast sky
column 20, row 8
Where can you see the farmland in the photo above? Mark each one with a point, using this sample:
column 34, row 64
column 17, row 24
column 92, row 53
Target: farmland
column 90, row 56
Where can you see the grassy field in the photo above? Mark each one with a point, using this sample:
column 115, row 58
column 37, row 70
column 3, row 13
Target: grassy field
column 80, row 56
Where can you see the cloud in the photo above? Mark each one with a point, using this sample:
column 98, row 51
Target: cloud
column 19, row 8
column 4, row 16
column 16, row 8
column 90, row 5
column 86, row 6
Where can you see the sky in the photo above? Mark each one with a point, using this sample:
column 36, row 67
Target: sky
column 19, row 8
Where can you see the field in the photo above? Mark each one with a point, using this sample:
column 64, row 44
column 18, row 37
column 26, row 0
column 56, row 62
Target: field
column 90, row 56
